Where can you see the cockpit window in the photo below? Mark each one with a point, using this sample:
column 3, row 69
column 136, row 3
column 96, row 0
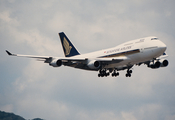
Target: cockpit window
column 154, row 38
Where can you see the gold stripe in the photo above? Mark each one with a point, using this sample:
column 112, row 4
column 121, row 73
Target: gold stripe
column 123, row 53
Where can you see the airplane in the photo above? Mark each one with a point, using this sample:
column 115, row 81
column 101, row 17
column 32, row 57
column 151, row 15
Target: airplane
column 149, row 51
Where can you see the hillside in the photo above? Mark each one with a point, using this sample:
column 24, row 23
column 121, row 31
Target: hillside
column 12, row 116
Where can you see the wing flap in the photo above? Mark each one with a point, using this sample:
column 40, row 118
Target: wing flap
column 112, row 59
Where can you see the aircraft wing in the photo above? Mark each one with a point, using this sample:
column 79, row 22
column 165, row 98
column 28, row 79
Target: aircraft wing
column 162, row 56
column 98, row 59
column 85, row 63
column 48, row 59
column 117, row 59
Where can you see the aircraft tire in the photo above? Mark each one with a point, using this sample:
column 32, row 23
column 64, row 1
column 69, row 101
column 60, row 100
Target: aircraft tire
column 129, row 75
column 102, row 75
column 117, row 73
column 126, row 75
column 130, row 71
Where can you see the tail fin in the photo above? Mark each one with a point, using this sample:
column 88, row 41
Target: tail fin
column 68, row 48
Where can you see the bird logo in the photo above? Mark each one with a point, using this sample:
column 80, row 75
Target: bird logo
column 66, row 46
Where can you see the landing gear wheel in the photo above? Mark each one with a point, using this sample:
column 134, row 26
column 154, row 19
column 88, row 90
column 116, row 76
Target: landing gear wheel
column 108, row 74
column 103, row 73
column 128, row 75
column 130, row 71
column 115, row 74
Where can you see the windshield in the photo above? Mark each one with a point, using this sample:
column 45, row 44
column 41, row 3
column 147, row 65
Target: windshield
column 154, row 38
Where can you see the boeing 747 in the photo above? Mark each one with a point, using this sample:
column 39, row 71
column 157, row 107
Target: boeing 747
column 149, row 51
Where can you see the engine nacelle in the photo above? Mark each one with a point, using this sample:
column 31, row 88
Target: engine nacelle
column 164, row 63
column 94, row 64
column 56, row 63
column 157, row 64
column 154, row 65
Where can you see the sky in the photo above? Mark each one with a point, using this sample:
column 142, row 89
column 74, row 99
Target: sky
column 32, row 89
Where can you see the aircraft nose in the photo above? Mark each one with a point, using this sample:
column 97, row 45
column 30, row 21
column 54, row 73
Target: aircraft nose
column 162, row 46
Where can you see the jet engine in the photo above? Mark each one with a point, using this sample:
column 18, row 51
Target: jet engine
column 94, row 64
column 157, row 64
column 164, row 63
column 56, row 63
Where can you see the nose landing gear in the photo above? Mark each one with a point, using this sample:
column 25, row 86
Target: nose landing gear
column 128, row 74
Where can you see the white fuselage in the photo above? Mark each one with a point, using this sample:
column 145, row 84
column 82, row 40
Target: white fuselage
column 136, row 51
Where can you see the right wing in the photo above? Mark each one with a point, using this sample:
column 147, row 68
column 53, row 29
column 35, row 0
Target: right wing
column 49, row 59
column 69, row 61
column 46, row 59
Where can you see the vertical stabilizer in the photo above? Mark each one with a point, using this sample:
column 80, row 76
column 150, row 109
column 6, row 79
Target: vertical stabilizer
column 68, row 48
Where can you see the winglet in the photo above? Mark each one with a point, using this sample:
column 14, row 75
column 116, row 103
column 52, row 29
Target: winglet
column 9, row 53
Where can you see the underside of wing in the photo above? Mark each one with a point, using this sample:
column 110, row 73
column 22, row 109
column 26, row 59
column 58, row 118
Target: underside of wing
column 90, row 63
column 87, row 60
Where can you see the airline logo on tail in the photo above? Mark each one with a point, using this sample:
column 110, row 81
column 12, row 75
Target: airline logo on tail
column 66, row 46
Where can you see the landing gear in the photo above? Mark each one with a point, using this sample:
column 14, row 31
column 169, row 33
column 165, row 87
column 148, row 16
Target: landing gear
column 114, row 74
column 103, row 73
column 128, row 74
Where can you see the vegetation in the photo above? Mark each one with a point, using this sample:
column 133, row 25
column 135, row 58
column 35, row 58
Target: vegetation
column 12, row 116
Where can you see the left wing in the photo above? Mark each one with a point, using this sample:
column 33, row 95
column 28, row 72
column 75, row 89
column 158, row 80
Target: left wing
column 112, row 59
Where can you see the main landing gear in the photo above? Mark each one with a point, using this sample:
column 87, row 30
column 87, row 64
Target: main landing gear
column 106, row 72
column 114, row 74
column 103, row 73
